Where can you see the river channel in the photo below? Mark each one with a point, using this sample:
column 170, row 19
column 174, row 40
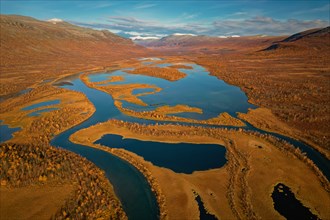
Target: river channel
column 130, row 185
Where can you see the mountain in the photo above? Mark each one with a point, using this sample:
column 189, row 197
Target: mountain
column 208, row 44
column 23, row 36
column 30, row 47
column 314, row 38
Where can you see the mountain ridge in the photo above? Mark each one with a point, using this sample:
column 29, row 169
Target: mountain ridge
column 32, row 49
column 308, row 38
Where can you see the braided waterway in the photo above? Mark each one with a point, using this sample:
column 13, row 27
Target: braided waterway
column 130, row 185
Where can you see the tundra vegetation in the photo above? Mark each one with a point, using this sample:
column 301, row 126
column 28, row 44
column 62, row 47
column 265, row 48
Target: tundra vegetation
column 46, row 51
column 26, row 165
column 74, row 108
column 171, row 74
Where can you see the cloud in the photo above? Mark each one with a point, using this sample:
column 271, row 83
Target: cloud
column 259, row 25
column 184, row 34
column 55, row 20
column 144, row 38
column 128, row 24
column 143, row 6
column 188, row 16
column 265, row 25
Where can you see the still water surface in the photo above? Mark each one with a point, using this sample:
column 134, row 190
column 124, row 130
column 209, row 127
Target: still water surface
column 288, row 206
column 179, row 157
column 197, row 89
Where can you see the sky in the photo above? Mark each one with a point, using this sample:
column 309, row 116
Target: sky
column 156, row 19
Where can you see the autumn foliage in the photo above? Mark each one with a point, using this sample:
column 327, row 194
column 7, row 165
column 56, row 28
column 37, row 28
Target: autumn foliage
column 23, row 165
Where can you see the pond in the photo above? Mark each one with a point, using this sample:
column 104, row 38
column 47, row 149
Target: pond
column 179, row 157
column 288, row 206
column 42, row 104
column 203, row 214
column 6, row 132
column 38, row 112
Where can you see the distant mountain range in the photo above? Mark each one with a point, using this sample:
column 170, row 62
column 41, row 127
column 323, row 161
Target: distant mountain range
column 314, row 38
column 25, row 40
column 209, row 44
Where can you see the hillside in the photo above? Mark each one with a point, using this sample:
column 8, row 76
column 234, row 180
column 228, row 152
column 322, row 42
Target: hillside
column 316, row 39
column 291, row 78
column 208, row 44
column 33, row 49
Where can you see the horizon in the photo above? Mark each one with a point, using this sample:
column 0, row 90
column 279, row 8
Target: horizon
column 157, row 19
column 161, row 118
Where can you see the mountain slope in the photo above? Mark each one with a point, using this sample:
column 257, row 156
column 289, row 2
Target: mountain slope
column 34, row 48
column 209, row 44
column 313, row 38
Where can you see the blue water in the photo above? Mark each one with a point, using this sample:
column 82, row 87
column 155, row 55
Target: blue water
column 129, row 184
column 98, row 77
column 42, row 104
column 6, row 133
column 197, row 89
column 164, row 65
column 38, row 112
column 179, row 157
column 229, row 93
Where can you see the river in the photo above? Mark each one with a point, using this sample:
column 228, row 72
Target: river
column 130, row 185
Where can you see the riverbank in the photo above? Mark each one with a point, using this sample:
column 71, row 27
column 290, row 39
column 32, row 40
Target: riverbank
column 124, row 92
column 51, row 182
column 293, row 86
column 128, row 156
column 255, row 164
column 264, row 119
column 171, row 74
column 73, row 108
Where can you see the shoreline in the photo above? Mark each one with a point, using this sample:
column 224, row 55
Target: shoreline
column 125, row 129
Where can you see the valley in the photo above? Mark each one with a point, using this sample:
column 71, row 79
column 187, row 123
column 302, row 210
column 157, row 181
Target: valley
column 184, row 127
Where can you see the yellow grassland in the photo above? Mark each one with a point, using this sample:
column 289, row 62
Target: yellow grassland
column 264, row 118
column 161, row 115
column 170, row 74
column 14, row 203
column 74, row 107
column 111, row 79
